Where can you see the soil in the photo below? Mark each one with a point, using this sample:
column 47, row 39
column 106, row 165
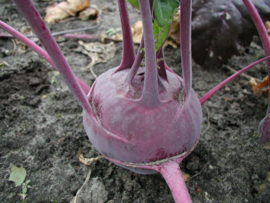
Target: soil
column 41, row 127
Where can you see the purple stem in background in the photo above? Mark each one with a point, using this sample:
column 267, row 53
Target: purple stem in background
column 128, row 46
column 83, row 36
column 150, row 90
column 185, row 41
column 38, row 50
column 40, row 29
column 209, row 94
column 161, row 64
column 174, row 178
column 262, row 33
column 56, row 33
column 137, row 62
column 4, row 35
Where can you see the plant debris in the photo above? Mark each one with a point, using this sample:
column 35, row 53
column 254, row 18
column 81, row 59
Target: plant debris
column 98, row 52
column 175, row 29
column 261, row 88
column 87, row 161
column 59, row 11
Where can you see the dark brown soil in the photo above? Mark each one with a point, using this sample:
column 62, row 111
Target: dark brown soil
column 41, row 128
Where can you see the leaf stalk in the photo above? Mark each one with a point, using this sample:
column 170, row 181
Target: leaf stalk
column 40, row 29
column 150, row 91
column 262, row 33
column 128, row 46
column 185, row 40
column 38, row 50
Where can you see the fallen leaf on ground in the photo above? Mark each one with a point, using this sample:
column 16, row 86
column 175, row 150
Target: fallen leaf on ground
column 98, row 52
column 117, row 37
column 17, row 175
column 23, row 196
column 89, row 13
column 185, row 176
column 136, row 30
column 20, row 47
column 171, row 43
column 266, row 146
column 227, row 99
column 175, row 29
column 87, row 161
column 56, row 12
column 261, row 88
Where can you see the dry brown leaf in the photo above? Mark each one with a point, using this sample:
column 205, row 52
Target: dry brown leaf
column 19, row 46
column 185, row 176
column 261, row 88
column 98, row 52
column 175, row 28
column 227, row 99
column 171, row 43
column 103, row 38
column 117, row 37
column 87, row 161
column 267, row 25
column 22, row 196
column 88, row 13
column 266, row 146
column 56, row 12
column 137, row 32
column 265, row 92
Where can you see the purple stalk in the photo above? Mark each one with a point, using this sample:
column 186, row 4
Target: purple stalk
column 174, row 178
column 161, row 64
column 171, row 172
column 38, row 50
column 40, row 29
column 185, row 40
column 62, row 32
column 209, row 94
column 4, row 35
column 128, row 46
column 137, row 62
column 81, row 36
column 66, row 36
column 150, row 90
column 262, row 33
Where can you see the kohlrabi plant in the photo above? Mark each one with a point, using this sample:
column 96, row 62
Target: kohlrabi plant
column 142, row 117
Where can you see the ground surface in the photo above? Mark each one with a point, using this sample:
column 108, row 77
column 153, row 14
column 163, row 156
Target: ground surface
column 41, row 128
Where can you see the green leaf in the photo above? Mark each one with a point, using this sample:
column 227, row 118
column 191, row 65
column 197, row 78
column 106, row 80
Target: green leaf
column 165, row 10
column 17, row 175
column 28, row 181
column 24, row 190
column 160, row 34
column 135, row 3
